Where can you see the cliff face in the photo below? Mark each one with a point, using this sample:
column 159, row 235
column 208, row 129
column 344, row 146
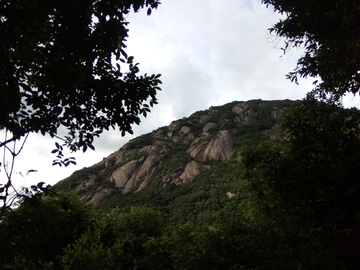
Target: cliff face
column 176, row 154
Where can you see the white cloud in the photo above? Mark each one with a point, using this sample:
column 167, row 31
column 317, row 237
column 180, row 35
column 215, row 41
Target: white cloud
column 209, row 52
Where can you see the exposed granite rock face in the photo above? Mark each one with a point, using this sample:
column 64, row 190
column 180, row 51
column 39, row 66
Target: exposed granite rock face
column 240, row 108
column 119, row 156
column 191, row 170
column 130, row 174
column 147, row 179
column 206, row 117
column 97, row 197
column 143, row 172
column 204, row 136
column 184, row 130
column 173, row 125
column 197, row 145
column 86, row 184
column 220, row 148
column 230, row 195
column 188, row 138
column 208, row 126
column 247, row 115
column 122, row 175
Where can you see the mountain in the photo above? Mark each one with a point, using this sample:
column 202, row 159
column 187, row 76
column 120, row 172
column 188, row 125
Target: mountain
column 189, row 166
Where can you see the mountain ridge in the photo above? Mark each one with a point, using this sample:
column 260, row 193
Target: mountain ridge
column 178, row 153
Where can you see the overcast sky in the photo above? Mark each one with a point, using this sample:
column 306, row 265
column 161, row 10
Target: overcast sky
column 209, row 52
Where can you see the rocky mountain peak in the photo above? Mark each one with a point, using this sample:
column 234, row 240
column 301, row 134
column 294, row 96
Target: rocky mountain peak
column 177, row 153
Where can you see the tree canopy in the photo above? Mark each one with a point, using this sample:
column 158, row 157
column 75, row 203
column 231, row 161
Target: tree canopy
column 310, row 181
column 56, row 230
column 298, row 204
column 63, row 63
column 44, row 223
column 330, row 33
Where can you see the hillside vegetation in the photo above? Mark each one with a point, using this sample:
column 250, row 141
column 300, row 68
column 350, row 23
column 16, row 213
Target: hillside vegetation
column 257, row 202
column 188, row 170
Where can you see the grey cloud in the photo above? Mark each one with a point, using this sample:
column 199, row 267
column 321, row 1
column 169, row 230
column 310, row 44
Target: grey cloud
column 209, row 52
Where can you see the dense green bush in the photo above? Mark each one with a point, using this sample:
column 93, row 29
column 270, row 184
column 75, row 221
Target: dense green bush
column 34, row 234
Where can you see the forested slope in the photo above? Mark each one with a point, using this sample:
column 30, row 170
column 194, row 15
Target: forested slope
column 278, row 204
column 188, row 170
